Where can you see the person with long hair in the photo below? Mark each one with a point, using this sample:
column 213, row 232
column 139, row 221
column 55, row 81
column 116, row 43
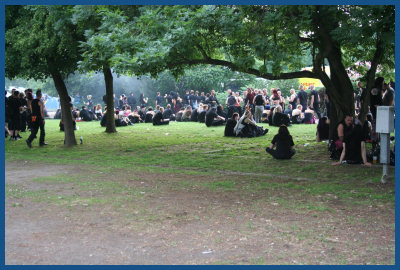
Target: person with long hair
column 283, row 142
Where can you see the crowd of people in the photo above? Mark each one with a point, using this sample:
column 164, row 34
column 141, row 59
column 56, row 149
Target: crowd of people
column 241, row 115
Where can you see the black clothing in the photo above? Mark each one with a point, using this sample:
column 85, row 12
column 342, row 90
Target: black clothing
column 279, row 119
column 14, row 116
column 85, row 115
column 202, row 99
column 105, row 99
column 213, row 98
column 283, row 147
column 302, row 95
column 251, row 131
column 148, row 118
column 159, row 100
column 231, row 100
column 230, row 125
column 202, row 116
column 210, row 116
column 376, row 100
column 288, row 112
column 103, row 121
column 353, row 145
column 132, row 102
column 294, row 102
column 168, row 114
column 323, row 129
column 37, row 122
column 296, row 119
column 259, row 101
column 157, row 120
column 195, row 115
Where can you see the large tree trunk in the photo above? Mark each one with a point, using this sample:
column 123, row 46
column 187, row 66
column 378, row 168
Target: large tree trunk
column 110, row 123
column 69, row 133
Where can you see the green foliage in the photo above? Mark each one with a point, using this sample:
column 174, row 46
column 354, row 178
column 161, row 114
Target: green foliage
column 38, row 35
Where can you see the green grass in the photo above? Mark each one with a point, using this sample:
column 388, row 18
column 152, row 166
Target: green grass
column 192, row 149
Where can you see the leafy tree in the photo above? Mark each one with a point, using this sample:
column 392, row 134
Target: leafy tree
column 42, row 42
column 108, row 34
column 271, row 42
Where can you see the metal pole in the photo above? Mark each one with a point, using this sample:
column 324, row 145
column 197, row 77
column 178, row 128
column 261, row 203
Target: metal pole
column 385, row 156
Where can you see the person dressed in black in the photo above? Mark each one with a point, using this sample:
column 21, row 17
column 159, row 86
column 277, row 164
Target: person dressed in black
column 302, row 96
column 283, row 142
column 230, row 125
column 168, row 113
column 132, row 101
column 38, row 120
column 159, row 99
column 213, row 119
column 202, row 115
column 230, row 103
column 279, row 118
column 158, row 118
column 143, row 100
column 354, row 151
column 315, row 101
column 85, row 115
column 246, row 127
column 376, row 95
column 323, row 129
column 14, row 109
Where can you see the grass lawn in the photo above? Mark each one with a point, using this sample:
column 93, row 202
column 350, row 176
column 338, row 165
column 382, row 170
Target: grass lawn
column 235, row 203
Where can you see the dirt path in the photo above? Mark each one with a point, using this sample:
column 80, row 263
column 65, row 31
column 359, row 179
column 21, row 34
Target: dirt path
column 152, row 218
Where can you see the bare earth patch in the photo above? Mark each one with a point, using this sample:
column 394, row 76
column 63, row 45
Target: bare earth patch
column 71, row 215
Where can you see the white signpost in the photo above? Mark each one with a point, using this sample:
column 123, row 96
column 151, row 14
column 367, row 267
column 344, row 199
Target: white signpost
column 385, row 125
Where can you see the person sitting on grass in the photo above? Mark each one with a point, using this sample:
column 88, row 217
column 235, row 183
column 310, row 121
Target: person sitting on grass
column 283, row 142
column 297, row 115
column 202, row 114
column 187, row 113
column 169, row 113
column 213, row 119
column 230, row 125
column 246, row 127
column 279, row 118
column 309, row 116
column 158, row 118
column 323, row 129
column 149, row 115
column 354, row 148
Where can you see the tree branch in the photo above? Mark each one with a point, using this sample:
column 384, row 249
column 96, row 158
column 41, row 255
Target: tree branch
column 253, row 71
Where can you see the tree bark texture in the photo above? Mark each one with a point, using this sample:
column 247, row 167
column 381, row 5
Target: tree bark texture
column 110, row 123
column 69, row 133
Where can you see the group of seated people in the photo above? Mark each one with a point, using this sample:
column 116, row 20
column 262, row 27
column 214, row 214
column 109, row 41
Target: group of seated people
column 275, row 116
column 349, row 141
column 245, row 126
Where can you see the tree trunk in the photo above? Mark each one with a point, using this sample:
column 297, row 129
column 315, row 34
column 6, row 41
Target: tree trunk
column 69, row 133
column 110, row 123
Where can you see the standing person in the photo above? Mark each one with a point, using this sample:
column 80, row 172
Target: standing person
column 259, row 102
column 38, row 120
column 202, row 98
column 132, row 100
column 376, row 95
column 143, row 100
column 159, row 99
column 231, row 104
column 315, row 101
column 302, row 97
column 238, row 102
column 293, row 98
column 283, row 142
column 212, row 99
column 89, row 102
column 14, row 108
column 250, row 99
